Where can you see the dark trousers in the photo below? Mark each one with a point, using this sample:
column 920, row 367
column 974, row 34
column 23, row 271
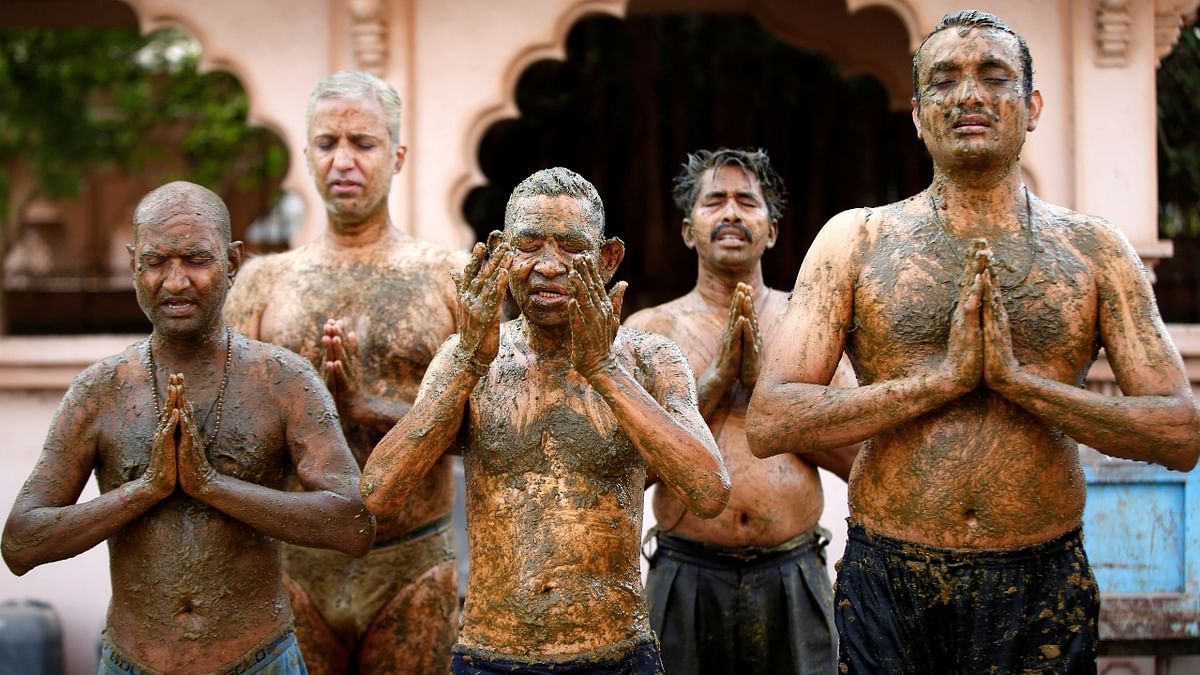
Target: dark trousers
column 642, row 659
column 743, row 611
column 908, row 609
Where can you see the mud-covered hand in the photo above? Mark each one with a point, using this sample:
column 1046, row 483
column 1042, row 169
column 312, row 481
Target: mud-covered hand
column 727, row 366
column 161, row 474
column 195, row 471
column 340, row 366
column 481, row 290
column 964, row 350
column 595, row 317
column 999, row 363
column 751, row 361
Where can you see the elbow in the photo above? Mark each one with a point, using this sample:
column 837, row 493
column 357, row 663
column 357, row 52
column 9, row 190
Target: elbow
column 15, row 556
column 359, row 543
column 711, row 502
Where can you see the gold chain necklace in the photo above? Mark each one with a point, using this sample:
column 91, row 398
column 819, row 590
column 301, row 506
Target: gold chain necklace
column 947, row 238
column 220, row 403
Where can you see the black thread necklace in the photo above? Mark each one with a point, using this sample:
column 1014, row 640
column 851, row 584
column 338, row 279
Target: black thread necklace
column 948, row 240
column 220, row 402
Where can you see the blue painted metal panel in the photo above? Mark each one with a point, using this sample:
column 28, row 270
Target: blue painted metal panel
column 1143, row 540
column 1135, row 536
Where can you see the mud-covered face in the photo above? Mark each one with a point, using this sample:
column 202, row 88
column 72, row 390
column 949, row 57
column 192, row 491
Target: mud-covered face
column 972, row 108
column 730, row 225
column 546, row 236
column 351, row 158
column 182, row 271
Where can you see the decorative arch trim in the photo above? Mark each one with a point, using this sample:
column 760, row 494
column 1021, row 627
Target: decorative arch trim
column 903, row 10
column 212, row 57
column 552, row 47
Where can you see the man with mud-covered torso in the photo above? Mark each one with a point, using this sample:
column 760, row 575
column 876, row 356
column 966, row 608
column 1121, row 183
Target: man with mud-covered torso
column 368, row 306
column 560, row 414
column 971, row 313
column 194, row 435
column 747, row 591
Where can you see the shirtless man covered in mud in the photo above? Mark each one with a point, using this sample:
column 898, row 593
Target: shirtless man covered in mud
column 368, row 306
column 748, row 591
column 560, row 414
column 972, row 312
column 193, row 435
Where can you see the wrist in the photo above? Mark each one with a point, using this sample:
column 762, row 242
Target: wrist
column 470, row 362
column 603, row 368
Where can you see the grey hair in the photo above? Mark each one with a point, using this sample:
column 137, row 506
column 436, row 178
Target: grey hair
column 177, row 197
column 353, row 84
column 557, row 182
column 973, row 18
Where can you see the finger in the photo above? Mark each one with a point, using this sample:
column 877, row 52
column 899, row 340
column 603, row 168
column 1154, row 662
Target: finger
column 457, row 278
column 472, row 269
column 975, row 295
column 617, row 297
column 595, row 282
column 351, row 343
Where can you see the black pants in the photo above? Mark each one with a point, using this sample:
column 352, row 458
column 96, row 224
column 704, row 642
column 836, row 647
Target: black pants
column 743, row 611
column 908, row 609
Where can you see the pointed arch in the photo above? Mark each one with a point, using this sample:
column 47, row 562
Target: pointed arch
column 553, row 47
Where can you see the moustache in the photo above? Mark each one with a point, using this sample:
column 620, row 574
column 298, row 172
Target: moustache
column 956, row 114
column 732, row 226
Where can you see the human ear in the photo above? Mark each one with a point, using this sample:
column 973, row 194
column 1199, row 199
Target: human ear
column 611, row 254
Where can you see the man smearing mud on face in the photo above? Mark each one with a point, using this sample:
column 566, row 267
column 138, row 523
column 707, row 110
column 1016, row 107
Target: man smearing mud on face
column 972, row 312
column 559, row 415
column 745, row 592
column 194, row 435
column 368, row 306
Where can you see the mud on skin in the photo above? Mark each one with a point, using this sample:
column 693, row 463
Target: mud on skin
column 561, row 485
column 398, row 299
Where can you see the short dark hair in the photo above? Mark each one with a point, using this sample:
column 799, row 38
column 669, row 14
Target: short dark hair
column 557, row 182
column 169, row 200
column 973, row 18
column 686, row 186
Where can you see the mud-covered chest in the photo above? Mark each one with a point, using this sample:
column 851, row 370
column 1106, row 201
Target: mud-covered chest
column 527, row 422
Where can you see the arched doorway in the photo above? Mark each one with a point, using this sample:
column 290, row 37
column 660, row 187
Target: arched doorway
column 99, row 117
column 635, row 95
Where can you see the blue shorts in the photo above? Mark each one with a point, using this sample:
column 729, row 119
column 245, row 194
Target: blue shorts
column 278, row 654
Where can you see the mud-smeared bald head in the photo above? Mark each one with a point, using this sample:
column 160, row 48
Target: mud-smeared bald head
column 172, row 199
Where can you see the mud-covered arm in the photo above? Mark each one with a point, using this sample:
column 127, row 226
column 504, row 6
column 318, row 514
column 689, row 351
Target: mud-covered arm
column 839, row 461
column 329, row 512
column 248, row 298
column 794, row 408
column 665, row 425
column 400, row 461
column 402, row 458
column 46, row 524
column 1156, row 420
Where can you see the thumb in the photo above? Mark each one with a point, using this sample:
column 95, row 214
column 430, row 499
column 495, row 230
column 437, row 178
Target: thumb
column 617, row 297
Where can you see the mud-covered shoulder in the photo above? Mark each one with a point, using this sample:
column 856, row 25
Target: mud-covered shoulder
column 284, row 370
column 1096, row 239
column 658, row 319
column 110, row 374
column 654, row 354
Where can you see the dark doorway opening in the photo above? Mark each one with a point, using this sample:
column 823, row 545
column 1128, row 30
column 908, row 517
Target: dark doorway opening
column 635, row 96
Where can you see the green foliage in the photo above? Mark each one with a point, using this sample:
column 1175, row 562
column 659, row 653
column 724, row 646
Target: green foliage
column 76, row 101
column 1178, row 142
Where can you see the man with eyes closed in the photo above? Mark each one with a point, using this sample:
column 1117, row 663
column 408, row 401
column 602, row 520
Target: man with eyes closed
column 193, row 474
column 368, row 306
column 560, row 415
column 971, row 313
column 747, row 591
